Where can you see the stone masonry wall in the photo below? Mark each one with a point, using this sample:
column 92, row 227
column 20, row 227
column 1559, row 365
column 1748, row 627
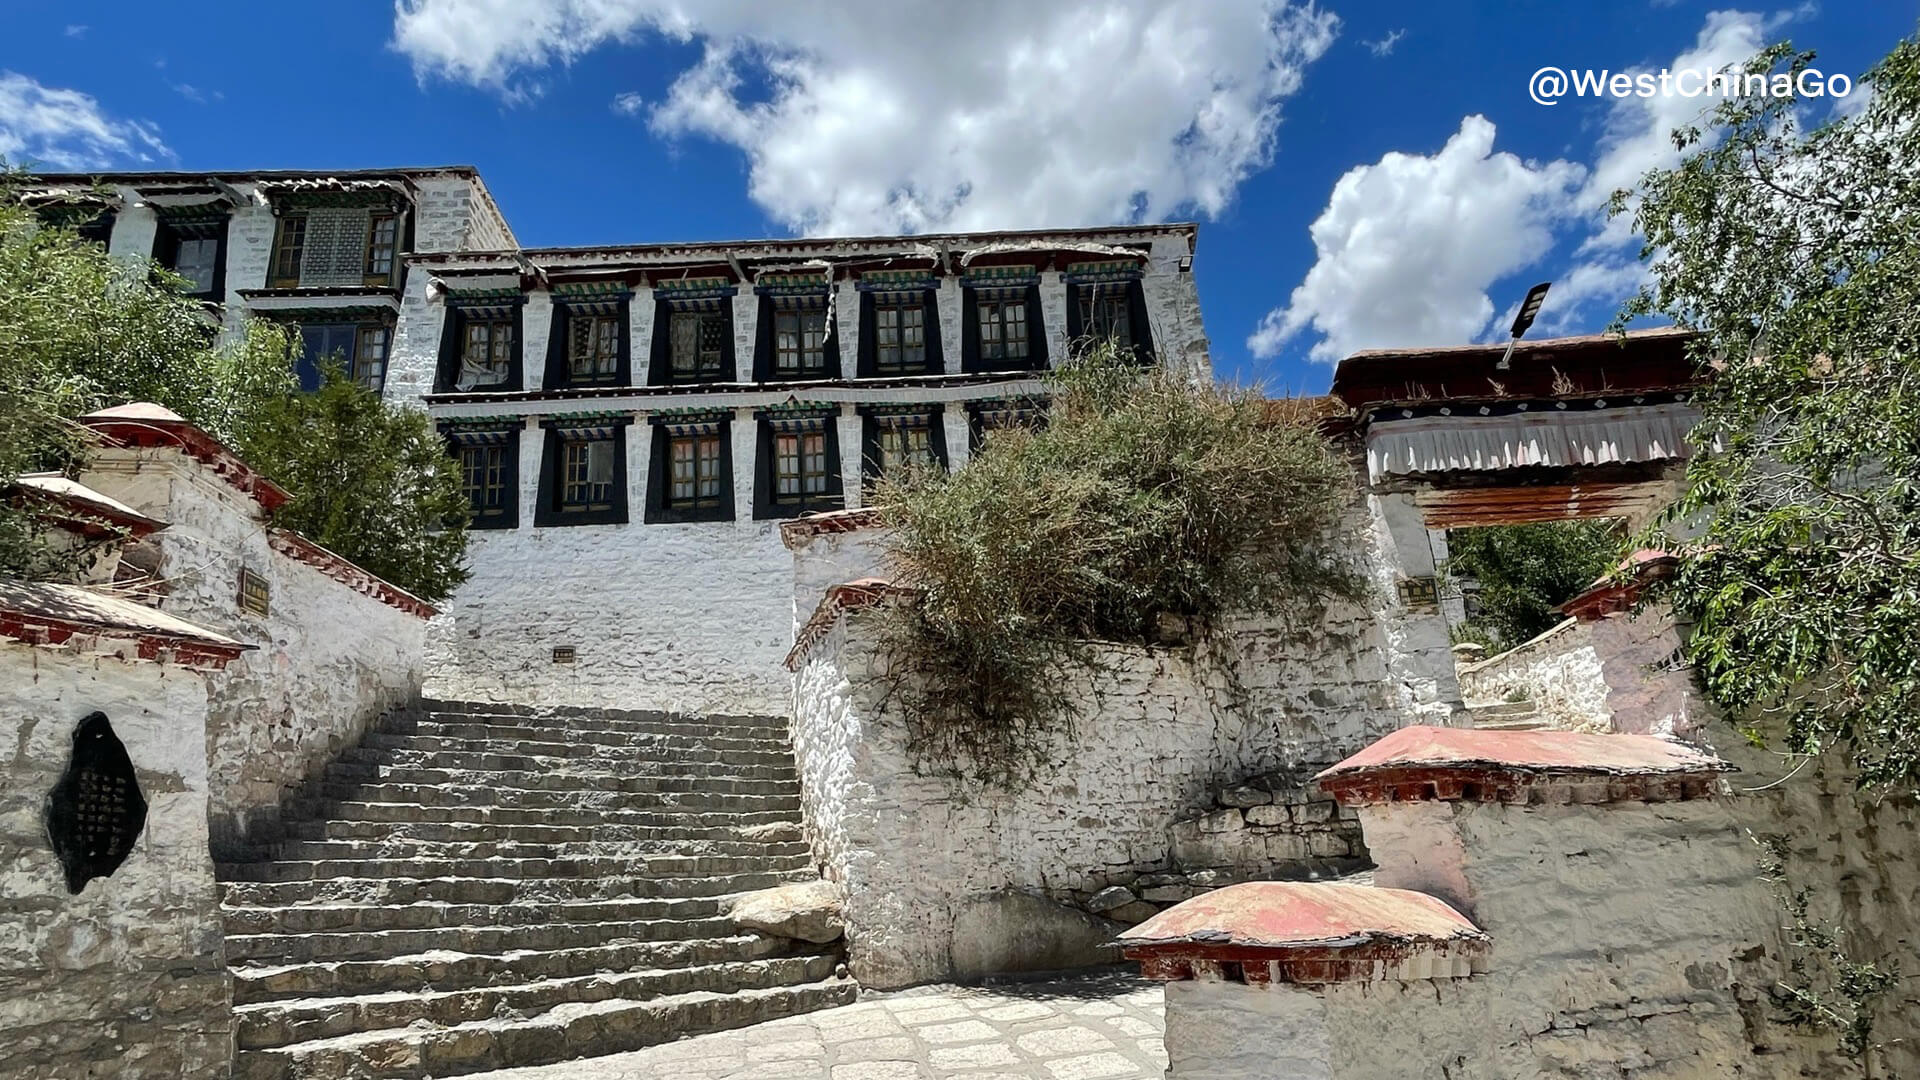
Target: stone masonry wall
column 328, row 661
column 1558, row 671
column 126, row 979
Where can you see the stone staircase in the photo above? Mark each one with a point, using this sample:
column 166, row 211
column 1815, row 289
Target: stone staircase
column 479, row 886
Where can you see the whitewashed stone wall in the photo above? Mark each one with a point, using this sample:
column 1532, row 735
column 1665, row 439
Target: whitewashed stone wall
column 1649, row 691
column 1558, row 671
column 1162, row 731
column 126, row 979
column 328, row 661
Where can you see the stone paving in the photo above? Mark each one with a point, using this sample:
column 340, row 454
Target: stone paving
column 1096, row 1027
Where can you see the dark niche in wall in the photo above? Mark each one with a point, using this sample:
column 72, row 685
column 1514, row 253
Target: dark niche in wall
column 95, row 811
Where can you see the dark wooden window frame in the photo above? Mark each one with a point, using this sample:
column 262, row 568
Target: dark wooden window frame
column 766, row 361
column 453, row 336
column 166, row 249
column 507, row 441
column 871, row 303
column 289, row 245
column 873, row 420
column 660, row 350
column 370, row 275
column 768, row 502
column 1079, row 296
column 973, row 358
column 550, row 511
column 559, row 371
column 661, row 509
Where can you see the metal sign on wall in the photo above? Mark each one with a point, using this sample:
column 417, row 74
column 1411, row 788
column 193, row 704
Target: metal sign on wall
column 95, row 811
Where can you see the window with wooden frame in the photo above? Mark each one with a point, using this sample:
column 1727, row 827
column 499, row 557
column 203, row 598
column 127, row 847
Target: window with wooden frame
column 905, row 440
column 486, row 351
column 195, row 250
column 800, row 340
column 359, row 348
column 1003, row 329
column 586, row 473
column 1105, row 312
column 383, row 242
column 696, row 466
column 899, row 333
column 370, row 356
column 988, row 418
column 254, row 594
column 699, row 345
column 289, row 248
column 485, row 472
column 593, row 348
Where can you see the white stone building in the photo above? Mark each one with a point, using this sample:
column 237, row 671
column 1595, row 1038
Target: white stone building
column 633, row 421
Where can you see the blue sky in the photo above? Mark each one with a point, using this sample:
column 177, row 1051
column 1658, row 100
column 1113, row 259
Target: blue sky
column 1365, row 174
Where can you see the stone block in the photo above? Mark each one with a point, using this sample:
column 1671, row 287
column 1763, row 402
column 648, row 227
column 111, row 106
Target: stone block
column 1168, row 894
column 1268, row 815
column 809, row 911
column 1222, row 821
column 1112, row 897
column 1314, row 812
column 1014, row 932
column 1243, row 795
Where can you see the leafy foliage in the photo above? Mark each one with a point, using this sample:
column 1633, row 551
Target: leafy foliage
column 1146, row 496
column 368, row 479
column 1798, row 258
column 80, row 330
column 1525, row 571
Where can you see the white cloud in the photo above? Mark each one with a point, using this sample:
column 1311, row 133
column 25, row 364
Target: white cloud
column 66, row 130
column 1408, row 246
column 915, row 116
column 629, row 104
column 75, row 30
column 1384, row 46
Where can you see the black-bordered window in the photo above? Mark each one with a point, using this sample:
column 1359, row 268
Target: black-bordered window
column 691, row 478
column 899, row 334
column 986, row 418
column 195, row 247
column 359, row 348
column 583, row 475
column 795, row 338
column 1002, row 327
column 692, row 332
column 480, row 344
column 588, row 345
column 383, row 244
column 798, row 465
column 1107, row 303
column 901, row 439
column 289, row 250
column 488, row 459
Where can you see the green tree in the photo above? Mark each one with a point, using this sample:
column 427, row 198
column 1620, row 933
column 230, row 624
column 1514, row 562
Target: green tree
column 1525, row 571
column 1147, row 495
column 1796, row 254
column 370, row 481
column 80, row 330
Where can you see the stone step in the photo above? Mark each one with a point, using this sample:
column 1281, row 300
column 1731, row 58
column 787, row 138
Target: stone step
column 310, row 809
column 455, row 970
column 509, row 797
column 285, row 948
column 496, row 890
column 450, row 735
column 732, row 727
column 593, row 714
column 278, row 1023
column 552, row 780
column 625, row 760
column 639, row 866
column 343, row 918
column 566, row 1031
column 332, row 850
column 460, row 832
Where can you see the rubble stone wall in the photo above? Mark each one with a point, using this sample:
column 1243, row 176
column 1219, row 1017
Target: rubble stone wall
column 125, row 979
column 1558, row 671
column 328, row 660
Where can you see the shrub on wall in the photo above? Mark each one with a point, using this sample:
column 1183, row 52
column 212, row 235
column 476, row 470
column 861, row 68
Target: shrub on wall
column 1148, row 507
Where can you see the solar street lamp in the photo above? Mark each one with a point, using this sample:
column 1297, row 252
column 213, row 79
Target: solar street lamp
column 1529, row 308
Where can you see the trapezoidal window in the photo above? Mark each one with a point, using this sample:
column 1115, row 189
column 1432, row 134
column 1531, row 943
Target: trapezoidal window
column 486, row 351
column 699, row 345
column 1003, row 330
column 899, row 333
column 696, row 471
column 800, row 340
column 593, row 348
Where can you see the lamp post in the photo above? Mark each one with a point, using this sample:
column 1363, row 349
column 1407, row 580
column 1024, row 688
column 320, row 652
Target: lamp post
column 1529, row 308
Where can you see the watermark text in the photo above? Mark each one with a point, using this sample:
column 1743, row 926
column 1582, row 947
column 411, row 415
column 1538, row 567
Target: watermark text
column 1550, row 84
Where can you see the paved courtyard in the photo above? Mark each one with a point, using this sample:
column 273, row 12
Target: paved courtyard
column 1099, row 1027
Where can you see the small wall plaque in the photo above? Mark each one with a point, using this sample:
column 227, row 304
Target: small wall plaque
column 1419, row 593
column 563, row 654
column 96, row 811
